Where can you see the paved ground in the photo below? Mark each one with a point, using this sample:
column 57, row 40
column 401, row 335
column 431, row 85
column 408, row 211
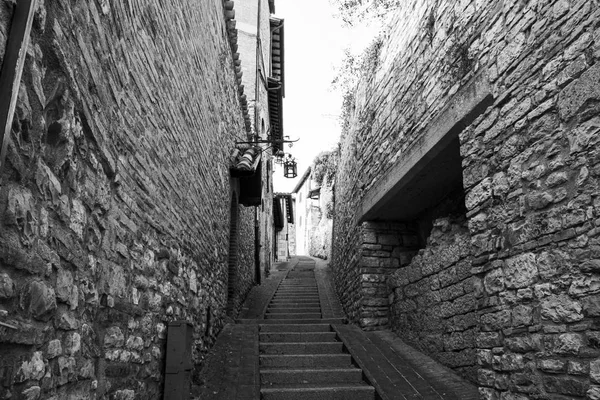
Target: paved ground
column 396, row 370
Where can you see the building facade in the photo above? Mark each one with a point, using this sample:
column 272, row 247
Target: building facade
column 120, row 211
column 285, row 226
column 466, row 214
column 260, row 44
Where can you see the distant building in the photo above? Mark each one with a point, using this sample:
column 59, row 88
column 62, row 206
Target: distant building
column 303, row 212
column 285, row 244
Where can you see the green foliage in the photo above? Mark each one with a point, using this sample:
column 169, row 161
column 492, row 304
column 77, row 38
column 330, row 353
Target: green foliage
column 352, row 12
column 348, row 75
column 325, row 165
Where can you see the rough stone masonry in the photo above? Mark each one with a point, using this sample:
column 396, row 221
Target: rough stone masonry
column 115, row 200
column 504, row 287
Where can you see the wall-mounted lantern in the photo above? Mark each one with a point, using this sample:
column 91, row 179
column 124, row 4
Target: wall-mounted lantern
column 290, row 168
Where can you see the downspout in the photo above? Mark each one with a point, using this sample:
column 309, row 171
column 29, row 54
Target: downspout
column 12, row 68
column 257, row 244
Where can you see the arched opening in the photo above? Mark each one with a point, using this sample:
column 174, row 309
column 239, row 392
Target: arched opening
column 233, row 253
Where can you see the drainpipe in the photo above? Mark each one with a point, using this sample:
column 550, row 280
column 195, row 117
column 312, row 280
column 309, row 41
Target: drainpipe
column 12, row 68
column 257, row 246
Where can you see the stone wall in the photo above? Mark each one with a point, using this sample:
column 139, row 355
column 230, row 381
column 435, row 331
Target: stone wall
column 115, row 197
column 434, row 299
column 529, row 171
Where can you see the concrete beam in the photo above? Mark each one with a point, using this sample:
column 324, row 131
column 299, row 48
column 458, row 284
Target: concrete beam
column 12, row 68
column 468, row 103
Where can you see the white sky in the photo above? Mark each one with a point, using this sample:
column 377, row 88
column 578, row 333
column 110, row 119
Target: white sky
column 314, row 47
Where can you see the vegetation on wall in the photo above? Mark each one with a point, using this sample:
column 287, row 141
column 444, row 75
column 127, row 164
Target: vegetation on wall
column 324, row 166
column 352, row 69
column 352, row 12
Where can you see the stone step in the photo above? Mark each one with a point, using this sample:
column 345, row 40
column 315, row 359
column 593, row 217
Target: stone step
column 328, row 392
column 314, row 294
column 292, row 305
column 294, row 300
column 321, row 361
column 295, row 297
column 293, row 316
column 295, row 328
column 298, row 321
column 305, row 285
column 310, row 376
column 296, row 293
column 301, row 348
column 298, row 287
column 298, row 337
column 279, row 301
column 297, row 284
column 286, row 310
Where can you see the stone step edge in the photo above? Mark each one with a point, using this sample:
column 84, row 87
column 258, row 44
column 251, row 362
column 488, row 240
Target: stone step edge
column 318, row 387
column 321, row 321
column 304, row 370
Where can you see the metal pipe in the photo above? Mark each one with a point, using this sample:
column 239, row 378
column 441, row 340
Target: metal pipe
column 12, row 68
column 8, row 326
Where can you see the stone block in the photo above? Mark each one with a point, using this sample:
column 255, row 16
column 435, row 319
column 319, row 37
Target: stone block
column 578, row 367
column 568, row 344
column 590, row 266
column 486, row 377
column 39, row 300
column 66, row 290
column 584, row 286
column 112, row 279
column 522, row 316
column 54, row 349
column 479, row 194
column 593, row 392
column 66, row 320
column 591, row 306
column 494, row 281
column 561, row 308
column 488, row 394
column 508, row 362
column 489, row 340
column 511, row 52
column 32, row 393
column 496, row 321
column 7, row 286
column 552, row 366
column 565, row 385
column 595, row 371
column 113, row 337
column 34, row 369
column 520, row 271
column 575, row 95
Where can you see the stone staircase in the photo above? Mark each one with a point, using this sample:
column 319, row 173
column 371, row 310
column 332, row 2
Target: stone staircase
column 301, row 357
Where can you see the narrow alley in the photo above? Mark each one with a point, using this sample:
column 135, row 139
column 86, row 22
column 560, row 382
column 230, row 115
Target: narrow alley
column 293, row 342
column 174, row 173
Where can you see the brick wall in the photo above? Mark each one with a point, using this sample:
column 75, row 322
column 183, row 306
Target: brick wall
column 115, row 199
column 529, row 174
